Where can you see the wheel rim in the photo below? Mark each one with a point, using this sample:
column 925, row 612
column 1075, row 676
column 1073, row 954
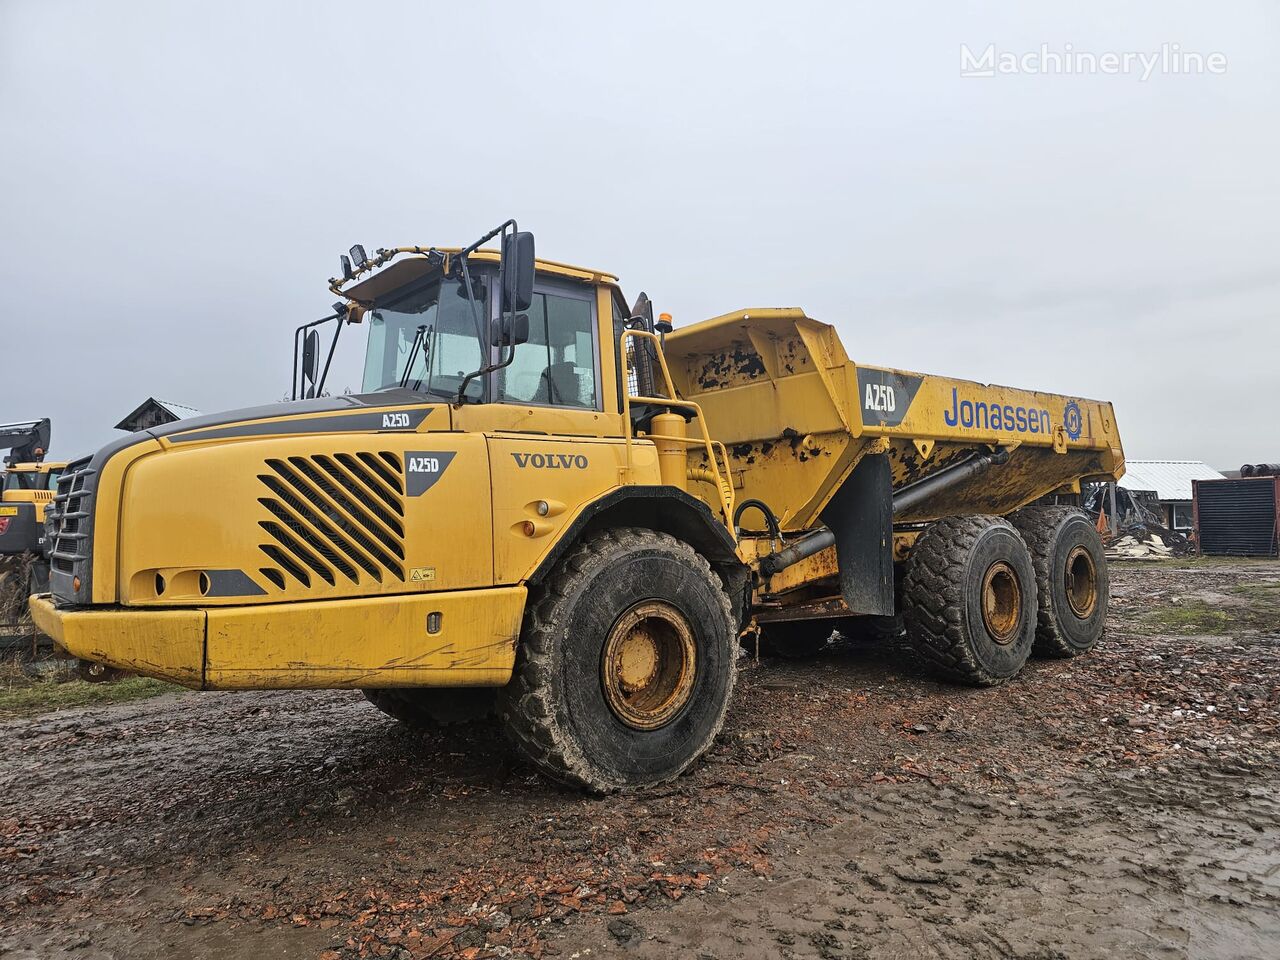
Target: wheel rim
column 648, row 665
column 1082, row 583
column 1001, row 602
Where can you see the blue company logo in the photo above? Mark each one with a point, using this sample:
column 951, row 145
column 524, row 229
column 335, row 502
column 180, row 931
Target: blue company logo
column 1072, row 420
column 994, row 416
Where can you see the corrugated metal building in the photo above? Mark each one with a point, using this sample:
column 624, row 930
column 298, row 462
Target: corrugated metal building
column 1171, row 481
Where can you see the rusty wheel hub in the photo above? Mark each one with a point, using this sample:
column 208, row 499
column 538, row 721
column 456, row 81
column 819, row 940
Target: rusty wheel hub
column 1001, row 602
column 648, row 665
column 1082, row 583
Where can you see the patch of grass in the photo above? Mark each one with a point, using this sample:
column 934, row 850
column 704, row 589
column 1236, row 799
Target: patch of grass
column 1262, row 603
column 1192, row 617
column 1266, row 593
column 22, row 696
column 1257, row 608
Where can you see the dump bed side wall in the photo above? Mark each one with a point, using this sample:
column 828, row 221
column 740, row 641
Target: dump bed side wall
column 796, row 415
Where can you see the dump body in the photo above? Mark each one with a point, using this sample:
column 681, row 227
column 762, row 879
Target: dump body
column 797, row 415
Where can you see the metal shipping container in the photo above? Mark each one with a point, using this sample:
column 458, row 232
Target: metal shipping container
column 1237, row 518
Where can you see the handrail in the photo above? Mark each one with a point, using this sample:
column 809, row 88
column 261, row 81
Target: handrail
column 724, row 483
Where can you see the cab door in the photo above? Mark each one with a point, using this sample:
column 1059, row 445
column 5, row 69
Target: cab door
column 554, row 439
column 563, row 380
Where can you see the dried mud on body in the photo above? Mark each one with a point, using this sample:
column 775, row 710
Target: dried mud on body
column 1126, row 804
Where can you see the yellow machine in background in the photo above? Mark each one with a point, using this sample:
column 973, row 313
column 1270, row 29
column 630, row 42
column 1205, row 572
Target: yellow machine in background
column 26, row 488
column 538, row 504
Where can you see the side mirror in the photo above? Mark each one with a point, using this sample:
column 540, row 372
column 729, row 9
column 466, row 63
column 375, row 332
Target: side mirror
column 517, row 272
column 513, row 331
column 310, row 363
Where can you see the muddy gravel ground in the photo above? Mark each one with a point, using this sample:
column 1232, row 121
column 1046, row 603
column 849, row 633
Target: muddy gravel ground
column 1124, row 804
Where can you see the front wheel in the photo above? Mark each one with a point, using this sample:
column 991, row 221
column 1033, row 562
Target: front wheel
column 626, row 663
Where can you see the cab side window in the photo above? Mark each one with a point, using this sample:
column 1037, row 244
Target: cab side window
column 557, row 366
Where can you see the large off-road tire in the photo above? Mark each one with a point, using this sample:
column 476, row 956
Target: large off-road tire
column 970, row 599
column 1072, row 583
column 626, row 663
column 430, row 707
column 792, row 639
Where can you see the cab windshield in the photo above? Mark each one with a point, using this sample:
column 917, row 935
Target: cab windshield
column 31, row 480
column 450, row 345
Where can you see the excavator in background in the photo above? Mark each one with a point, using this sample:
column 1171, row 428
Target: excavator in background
column 26, row 487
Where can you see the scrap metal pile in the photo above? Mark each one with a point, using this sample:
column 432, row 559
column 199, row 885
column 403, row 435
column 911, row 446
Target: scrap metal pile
column 1140, row 533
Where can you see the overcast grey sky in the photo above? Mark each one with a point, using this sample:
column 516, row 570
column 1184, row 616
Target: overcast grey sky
column 179, row 180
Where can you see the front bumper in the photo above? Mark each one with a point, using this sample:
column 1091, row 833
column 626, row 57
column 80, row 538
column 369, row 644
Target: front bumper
column 452, row 638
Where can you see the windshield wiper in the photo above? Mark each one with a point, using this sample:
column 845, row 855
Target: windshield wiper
column 419, row 344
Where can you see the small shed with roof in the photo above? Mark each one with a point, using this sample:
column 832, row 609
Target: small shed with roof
column 153, row 413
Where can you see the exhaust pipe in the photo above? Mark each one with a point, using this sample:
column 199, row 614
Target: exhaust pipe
column 908, row 497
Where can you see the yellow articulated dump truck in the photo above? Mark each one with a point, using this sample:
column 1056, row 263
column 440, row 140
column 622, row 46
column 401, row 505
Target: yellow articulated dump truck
column 550, row 506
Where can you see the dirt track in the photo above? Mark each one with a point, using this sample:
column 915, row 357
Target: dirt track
column 1125, row 804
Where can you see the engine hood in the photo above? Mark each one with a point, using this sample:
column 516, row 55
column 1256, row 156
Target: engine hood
column 386, row 410
column 87, row 572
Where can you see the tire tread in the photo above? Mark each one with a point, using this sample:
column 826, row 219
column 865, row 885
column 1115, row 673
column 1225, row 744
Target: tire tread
column 934, row 598
column 1038, row 526
column 525, row 705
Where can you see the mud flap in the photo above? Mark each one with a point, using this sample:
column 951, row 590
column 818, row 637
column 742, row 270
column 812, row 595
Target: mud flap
column 861, row 517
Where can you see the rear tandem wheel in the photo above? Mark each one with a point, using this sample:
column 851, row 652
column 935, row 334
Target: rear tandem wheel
column 1071, row 577
column 969, row 599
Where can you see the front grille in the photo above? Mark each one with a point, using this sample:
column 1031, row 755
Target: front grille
column 332, row 519
column 68, row 521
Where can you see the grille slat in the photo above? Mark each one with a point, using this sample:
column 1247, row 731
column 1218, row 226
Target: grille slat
column 340, row 501
column 334, row 512
column 330, row 517
column 274, row 575
column 303, row 529
column 282, row 558
column 389, row 496
column 391, row 474
column 298, row 549
column 304, row 522
column 354, row 490
column 67, row 526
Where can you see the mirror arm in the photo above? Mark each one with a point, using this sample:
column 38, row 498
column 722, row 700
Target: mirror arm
column 298, row 333
column 501, row 228
column 293, row 384
column 333, row 346
column 488, row 368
